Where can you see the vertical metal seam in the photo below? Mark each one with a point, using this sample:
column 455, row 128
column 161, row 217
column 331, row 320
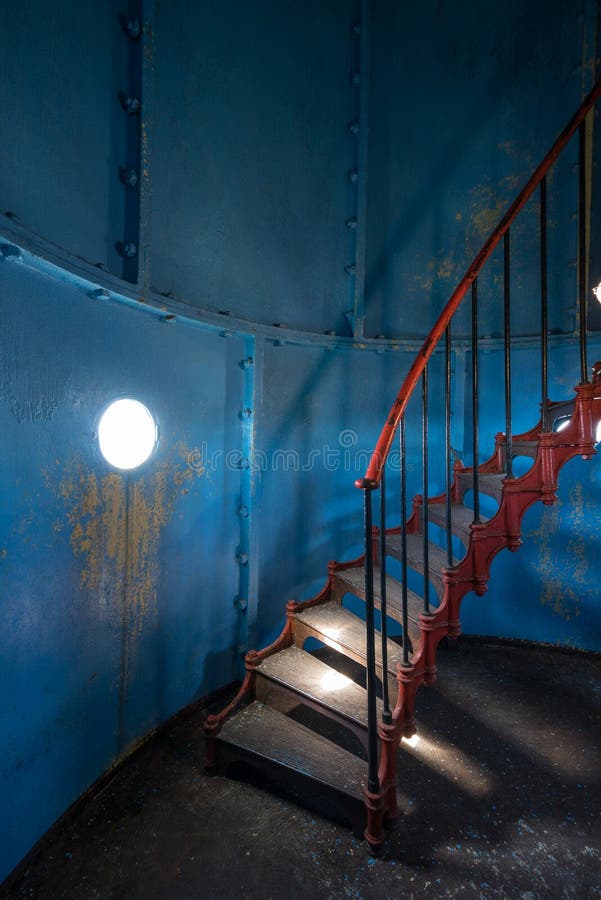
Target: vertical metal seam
column 362, row 174
column 146, row 146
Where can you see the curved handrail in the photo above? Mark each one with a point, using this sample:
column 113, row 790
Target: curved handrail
column 378, row 459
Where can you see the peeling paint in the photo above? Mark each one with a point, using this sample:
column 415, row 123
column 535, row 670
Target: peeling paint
column 564, row 580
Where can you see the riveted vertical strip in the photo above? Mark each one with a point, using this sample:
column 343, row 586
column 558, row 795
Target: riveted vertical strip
column 146, row 129
column 361, row 184
column 130, row 99
column 250, row 476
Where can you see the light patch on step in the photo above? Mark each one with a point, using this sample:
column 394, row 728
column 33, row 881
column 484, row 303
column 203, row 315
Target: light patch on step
column 412, row 741
column 334, row 681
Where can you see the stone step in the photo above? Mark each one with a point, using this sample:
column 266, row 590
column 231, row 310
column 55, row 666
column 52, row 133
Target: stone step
column 344, row 632
column 491, row 484
column 295, row 761
column 437, row 557
column 293, row 676
column 353, row 580
column 461, row 520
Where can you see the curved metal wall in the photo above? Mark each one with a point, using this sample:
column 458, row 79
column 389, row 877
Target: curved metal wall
column 125, row 598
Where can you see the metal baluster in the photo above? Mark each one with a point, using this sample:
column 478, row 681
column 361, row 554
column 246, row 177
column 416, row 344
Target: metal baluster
column 405, row 617
column 386, row 713
column 582, row 160
column 448, row 473
column 507, row 339
column 425, row 509
column 543, row 300
column 373, row 782
column 475, row 400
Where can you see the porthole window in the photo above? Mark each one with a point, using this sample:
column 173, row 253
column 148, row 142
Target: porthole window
column 127, row 434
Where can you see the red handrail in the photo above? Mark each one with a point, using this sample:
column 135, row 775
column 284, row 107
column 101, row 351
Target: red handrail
column 378, row 459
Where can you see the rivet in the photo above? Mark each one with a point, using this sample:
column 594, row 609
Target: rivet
column 330, row 333
column 242, row 558
column 224, row 312
column 101, row 294
column 247, row 363
column 129, row 250
column 380, row 337
column 353, row 176
column 132, row 28
column 244, row 463
column 247, row 413
column 243, row 512
column 129, row 177
column 9, row 251
column 131, row 105
column 353, row 126
column 169, row 318
column 350, row 270
column 226, row 334
column 351, row 223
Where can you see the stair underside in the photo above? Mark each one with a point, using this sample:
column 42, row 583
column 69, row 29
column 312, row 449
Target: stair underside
column 309, row 679
column 354, row 580
column 341, row 630
column 296, row 760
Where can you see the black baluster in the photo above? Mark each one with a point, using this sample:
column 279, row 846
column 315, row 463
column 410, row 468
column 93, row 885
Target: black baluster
column 373, row 782
column 447, row 417
column 405, row 616
column 475, row 400
column 425, row 509
column 543, row 308
column 582, row 160
column 386, row 713
column 507, row 340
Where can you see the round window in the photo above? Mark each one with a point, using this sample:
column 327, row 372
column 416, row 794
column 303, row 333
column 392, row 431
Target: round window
column 127, row 434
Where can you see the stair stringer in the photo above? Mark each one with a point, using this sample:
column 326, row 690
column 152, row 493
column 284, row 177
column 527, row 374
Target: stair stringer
column 503, row 530
column 252, row 659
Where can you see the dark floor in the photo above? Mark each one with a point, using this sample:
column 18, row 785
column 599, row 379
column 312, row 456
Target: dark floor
column 501, row 798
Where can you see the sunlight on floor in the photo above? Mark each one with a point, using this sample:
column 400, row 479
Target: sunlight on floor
column 572, row 753
column 450, row 762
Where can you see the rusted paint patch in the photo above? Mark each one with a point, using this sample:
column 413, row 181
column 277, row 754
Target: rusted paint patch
column 564, row 576
column 115, row 523
column 489, row 205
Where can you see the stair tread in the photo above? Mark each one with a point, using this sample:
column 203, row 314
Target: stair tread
column 259, row 729
column 340, row 629
column 463, row 516
column 300, row 671
column 490, row 483
column 486, row 477
column 355, row 578
column 437, row 557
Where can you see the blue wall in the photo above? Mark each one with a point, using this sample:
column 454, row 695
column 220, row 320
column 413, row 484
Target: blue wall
column 121, row 594
column 116, row 590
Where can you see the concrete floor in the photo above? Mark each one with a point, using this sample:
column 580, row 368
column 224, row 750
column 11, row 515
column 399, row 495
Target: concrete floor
column 501, row 798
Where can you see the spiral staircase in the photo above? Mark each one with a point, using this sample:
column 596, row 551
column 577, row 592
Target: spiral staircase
column 296, row 720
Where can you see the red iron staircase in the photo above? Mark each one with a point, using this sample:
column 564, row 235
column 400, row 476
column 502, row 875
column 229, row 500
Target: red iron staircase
column 319, row 755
